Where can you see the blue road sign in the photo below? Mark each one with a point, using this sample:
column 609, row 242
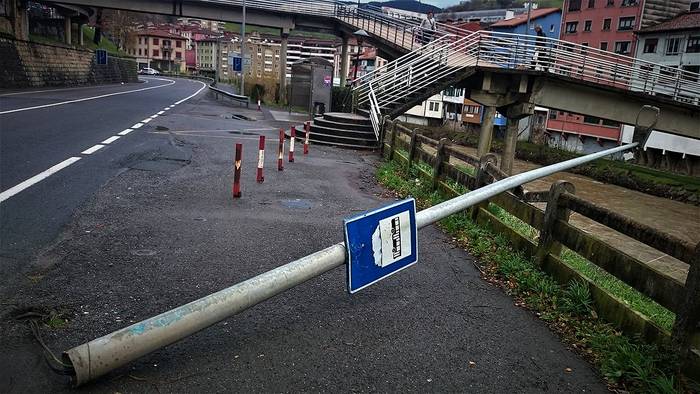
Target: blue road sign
column 237, row 63
column 101, row 56
column 380, row 243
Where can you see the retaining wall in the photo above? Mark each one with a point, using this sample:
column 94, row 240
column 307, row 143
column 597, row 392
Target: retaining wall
column 25, row 64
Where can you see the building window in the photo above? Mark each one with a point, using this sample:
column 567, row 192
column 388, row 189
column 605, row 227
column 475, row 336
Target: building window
column 603, row 46
column 571, row 27
column 650, row 45
column 687, row 70
column 139, row 40
column 626, row 23
column 629, row 3
column 552, row 114
column 672, row 45
column 693, row 44
column 178, row 44
column 584, row 48
column 606, row 24
column 622, row 47
column 694, row 5
column 178, row 55
column 574, row 5
column 611, row 3
column 587, row 25
column 591, row 119
column 156, row 53
column 155, row 41
column 591, row 3
column 610, row 123
column 139, row 51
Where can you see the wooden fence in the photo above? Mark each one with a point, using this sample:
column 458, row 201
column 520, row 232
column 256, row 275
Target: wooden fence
column 555, row 231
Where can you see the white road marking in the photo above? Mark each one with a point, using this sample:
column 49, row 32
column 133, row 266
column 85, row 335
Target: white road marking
column 87, row 98
column 166, row 109
column 154, row 116
column 111, row 139
column 37, row 178
column 125, row 132
column 160, row 112
column 204, row 85
column 137, row 125
column 92, row 150
column 146, row 120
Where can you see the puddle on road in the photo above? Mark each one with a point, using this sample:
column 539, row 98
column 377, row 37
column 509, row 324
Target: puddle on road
column 297, row 203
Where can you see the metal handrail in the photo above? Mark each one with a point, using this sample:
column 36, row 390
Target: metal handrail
column 374, row 112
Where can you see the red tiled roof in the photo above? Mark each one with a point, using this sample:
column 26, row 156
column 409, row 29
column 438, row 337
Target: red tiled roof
column 684, row 21
column 522, row 18
column 159, row 33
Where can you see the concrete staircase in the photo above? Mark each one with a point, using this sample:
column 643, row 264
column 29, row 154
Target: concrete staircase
column 344, row 130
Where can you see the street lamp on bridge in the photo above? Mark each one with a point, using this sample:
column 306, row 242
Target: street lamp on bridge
column 360, row 36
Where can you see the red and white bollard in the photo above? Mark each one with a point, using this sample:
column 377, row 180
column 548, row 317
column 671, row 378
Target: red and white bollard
column 237, row 171
column 307, row 130
column 259, row 106
column 291, row 144
column 261, row 159
column 280, row 152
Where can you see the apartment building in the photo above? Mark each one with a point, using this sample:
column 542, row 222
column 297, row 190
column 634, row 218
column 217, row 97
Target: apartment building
column 158, row 49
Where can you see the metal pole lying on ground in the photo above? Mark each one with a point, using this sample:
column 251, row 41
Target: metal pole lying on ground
column 280, row 152
column 261, row 159
column 100, row 356
column 293, row 134
column 237, row 171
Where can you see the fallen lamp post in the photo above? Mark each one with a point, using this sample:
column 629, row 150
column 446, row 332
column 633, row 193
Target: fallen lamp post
column 102, row 355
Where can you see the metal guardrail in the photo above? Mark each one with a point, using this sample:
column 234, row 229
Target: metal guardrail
column 211, row 84
column 99, row 356
column 374, row 112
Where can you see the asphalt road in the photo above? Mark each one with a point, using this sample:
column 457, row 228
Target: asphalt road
column 41, row 129
column 164, row 230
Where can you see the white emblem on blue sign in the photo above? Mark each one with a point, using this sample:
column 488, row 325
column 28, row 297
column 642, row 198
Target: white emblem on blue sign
column 380, row 243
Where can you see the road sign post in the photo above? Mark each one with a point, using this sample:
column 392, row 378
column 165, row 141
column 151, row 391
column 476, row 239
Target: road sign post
column 380, row 243
column 100, row 56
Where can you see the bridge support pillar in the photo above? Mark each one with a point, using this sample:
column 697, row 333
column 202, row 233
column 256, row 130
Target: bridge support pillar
column 283, row 67
column 68, row 30
column 486, row 135
column 20, row 19
column 509, row 149
column 344, row 60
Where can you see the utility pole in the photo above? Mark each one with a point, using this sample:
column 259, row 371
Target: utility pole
column 243, row 52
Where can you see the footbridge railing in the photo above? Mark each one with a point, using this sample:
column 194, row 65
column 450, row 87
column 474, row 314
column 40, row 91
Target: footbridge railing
column 452, row 53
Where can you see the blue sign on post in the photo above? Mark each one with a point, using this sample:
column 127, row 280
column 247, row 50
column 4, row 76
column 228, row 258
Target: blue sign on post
column 237, row 63
column 101, row 56
column 380, row 243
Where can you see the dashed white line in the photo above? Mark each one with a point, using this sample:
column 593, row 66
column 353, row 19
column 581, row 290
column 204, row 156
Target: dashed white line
column 137, row 125
column 86, row 98
column 125, row 132
column 110, row 140
column 92, row 150
column 160, row 112
column 154, row 116
column 166, row 109
column 146, row 120
column 37, row 178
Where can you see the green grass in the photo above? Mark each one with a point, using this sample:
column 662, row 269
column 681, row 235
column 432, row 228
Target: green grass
column 625, row 362
column 89, row 34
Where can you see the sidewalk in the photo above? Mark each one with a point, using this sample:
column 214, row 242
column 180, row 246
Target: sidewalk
column 672, row 217
column 152, row 240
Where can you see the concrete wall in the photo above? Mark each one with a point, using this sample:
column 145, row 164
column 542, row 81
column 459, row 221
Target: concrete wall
column 26, row 64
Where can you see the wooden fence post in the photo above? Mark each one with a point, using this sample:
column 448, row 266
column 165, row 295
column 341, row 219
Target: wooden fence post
column 553, row 212
column 412, row 148
column 392, row 147
column 688, row 313
column 481, row 179
column 440, row 157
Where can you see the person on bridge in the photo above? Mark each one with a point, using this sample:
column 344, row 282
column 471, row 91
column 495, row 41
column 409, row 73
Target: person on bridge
column 541, row 60
column 428, row 26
